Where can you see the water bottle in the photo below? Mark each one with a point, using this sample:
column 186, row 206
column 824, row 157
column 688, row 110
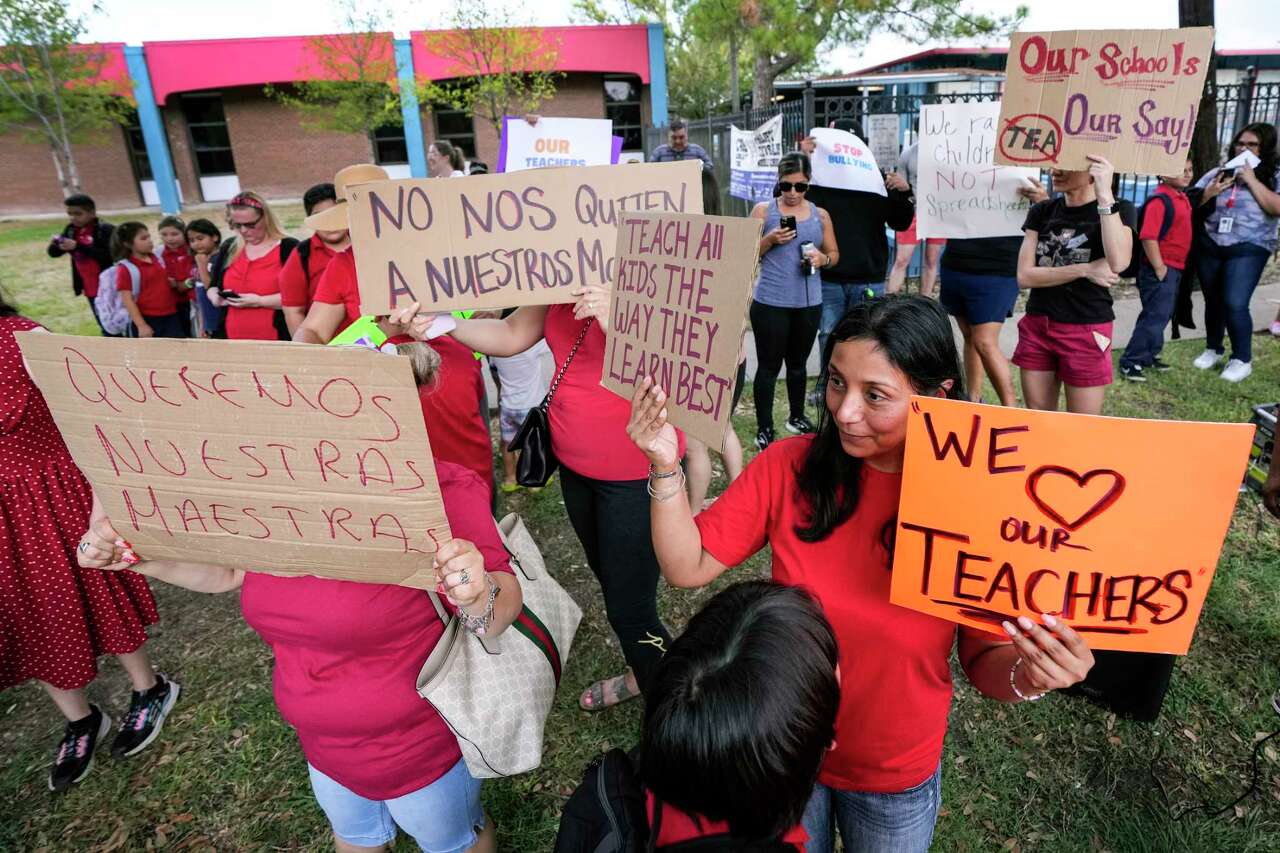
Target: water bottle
column 806, row 265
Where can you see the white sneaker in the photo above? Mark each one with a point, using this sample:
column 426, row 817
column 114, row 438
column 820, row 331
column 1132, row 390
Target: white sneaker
column 1207, row 359
column 1237, row 370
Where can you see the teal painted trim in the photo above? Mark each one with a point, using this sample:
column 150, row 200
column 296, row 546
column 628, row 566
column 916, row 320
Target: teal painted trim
column 153, row 135
column 413, row 138
column 658, row 75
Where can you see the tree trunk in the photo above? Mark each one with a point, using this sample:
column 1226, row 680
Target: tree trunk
column 1205, row 147
column 735, row 91
column 763, row 76
column 64, row 165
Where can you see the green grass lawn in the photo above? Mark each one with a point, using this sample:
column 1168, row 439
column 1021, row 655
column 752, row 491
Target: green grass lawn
column 1059, row 775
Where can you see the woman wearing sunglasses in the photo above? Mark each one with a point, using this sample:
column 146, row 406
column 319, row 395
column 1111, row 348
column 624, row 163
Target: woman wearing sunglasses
column 798, row 241
column 246, row 282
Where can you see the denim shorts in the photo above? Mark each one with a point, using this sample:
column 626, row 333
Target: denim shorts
column 509, row 423
column 443, row 817
column 874, row 823
column 978, row 299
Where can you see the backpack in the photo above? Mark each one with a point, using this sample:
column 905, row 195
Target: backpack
column 218, row 266
column 606, row 814
column 1166, row 223
column 108, row 305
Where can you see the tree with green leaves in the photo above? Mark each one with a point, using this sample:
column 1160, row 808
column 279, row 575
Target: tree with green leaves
column 494, row 66
column 52, row 90
column 348, row 80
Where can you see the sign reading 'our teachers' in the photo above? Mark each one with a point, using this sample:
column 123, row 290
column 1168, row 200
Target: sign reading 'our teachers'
column 500, row 241
column 677, row 312
column 270, row 457
column 1128, row 95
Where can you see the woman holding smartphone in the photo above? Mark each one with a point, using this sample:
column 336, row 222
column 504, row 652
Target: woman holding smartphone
column 798, row 242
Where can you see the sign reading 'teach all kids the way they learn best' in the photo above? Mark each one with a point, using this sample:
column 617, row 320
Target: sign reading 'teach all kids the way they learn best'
column 250, row 454
column 501, row 241
column 1113, row 525
column 678, row 309
column 1128, row 95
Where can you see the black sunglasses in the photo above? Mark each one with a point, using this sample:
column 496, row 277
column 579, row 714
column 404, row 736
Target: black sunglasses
column 799, row 186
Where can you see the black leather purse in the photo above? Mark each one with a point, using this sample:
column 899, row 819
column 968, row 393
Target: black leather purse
column 537, row 460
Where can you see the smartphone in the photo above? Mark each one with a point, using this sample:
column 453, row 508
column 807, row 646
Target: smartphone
column 230, row 294
column 788, row 222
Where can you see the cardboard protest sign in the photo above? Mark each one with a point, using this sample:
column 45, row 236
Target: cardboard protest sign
column 557, row 142
column 677, row 313
column 753, row 160
column 499, row 241
column 1114, row 525
column 1128, row 95
column 263, row 456
column 960, row 192
column 842, row 161
column 883, row 137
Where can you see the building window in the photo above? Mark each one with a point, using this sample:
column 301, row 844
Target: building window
column 389, row 145
column 210, row 141
column 455, row 127
column 137, row 149
column 622, row 105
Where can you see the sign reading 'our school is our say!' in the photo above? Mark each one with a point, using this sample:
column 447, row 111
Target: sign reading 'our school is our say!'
column 1113, row 525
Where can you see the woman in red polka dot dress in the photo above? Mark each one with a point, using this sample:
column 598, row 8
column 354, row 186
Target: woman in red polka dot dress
column 57, row 618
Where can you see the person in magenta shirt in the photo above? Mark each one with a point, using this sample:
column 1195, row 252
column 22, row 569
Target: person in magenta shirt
column 347, row 656
column 827, row 504
column 251, row 270
column 602, row 475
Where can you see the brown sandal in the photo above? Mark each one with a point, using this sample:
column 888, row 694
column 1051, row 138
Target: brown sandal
column 596, row 694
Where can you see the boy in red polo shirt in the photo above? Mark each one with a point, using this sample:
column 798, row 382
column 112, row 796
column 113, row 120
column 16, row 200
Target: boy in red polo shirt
column 1165, row 232
column 87, row 240
column 300, row 277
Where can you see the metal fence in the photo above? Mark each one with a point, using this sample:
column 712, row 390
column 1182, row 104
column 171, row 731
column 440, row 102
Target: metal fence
column 1238, row 105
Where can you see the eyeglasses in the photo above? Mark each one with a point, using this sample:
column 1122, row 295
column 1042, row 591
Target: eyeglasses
column 246, row 226
column 799, row 186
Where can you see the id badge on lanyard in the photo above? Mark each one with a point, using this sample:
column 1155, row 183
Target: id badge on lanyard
column 1226, row 223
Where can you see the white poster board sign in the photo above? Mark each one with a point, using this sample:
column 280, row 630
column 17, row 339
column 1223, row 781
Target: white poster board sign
column 753, row 160
column 842, row 161
column 883, row 137
column 556, row 142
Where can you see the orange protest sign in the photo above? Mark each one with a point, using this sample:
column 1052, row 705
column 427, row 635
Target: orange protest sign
column 1114, row 525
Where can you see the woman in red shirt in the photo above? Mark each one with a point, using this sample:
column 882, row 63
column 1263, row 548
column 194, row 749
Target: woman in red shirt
column 251, row 270
column 602, row 476
column 827, row 504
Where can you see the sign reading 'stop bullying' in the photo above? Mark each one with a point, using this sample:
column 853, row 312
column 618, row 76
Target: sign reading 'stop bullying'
column 499, row 241
column 1128, row 95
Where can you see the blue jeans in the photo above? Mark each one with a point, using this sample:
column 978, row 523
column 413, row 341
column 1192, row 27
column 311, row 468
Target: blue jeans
column 1228, row 276
column 837, row 299
column 874, row 823
column 443, row 817
column 1157, row 298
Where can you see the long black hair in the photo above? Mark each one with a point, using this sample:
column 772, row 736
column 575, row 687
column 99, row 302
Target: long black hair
column 741, row 710
column 1267, row 152
column 915, row 335
column 122, row 238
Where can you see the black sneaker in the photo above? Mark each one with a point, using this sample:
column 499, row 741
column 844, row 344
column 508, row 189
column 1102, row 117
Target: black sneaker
column 1161, row 366
column 145, row 718
column 1133, row 373
column 74, row 758
column 764, row 438
column 800, row 426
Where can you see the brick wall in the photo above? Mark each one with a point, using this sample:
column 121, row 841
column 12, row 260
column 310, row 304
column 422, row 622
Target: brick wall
column 31, row 185
column 184, row 162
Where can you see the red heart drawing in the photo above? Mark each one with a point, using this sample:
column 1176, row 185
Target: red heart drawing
column 1081, row 480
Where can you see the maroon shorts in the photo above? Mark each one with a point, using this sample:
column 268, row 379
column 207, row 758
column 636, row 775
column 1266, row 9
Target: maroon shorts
column 1078, row 353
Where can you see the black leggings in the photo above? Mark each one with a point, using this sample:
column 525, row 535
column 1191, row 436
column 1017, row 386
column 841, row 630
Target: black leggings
column 782, row 334
column 611, row 518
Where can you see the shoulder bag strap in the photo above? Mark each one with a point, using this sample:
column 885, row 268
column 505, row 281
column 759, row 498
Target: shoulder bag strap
column 555, row 383
column 439, row 606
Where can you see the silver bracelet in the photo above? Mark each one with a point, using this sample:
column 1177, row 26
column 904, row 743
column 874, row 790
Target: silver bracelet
column 661, row 497
column 655, row 474
column 479, row 625
column 1013, row 684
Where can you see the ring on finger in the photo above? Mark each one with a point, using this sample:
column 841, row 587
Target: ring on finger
column 84, row 546
column 464, row 577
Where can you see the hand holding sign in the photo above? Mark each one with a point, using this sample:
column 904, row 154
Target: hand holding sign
column 1053, row 657
column 649, row 429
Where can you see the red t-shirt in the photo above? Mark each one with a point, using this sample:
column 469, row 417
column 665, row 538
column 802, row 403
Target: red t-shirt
column 588, row 423
column 258, row 276
column 338, row 286
column 298, row 288
column 895, row 687
column 347, row 657
column 458, row 431
column 180, row 266
column 155, row 296
column 678, row 827
column 84, row 262
column 1176, row 244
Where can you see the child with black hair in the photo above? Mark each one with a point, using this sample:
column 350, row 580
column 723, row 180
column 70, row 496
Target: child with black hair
column 179, row 264
column 738, row 716
column 144, row 284
column 88, row 241
column 300, row 275
column 205, row 240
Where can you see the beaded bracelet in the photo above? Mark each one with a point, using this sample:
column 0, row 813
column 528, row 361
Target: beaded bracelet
column 1013, row 684
column 479, row 625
